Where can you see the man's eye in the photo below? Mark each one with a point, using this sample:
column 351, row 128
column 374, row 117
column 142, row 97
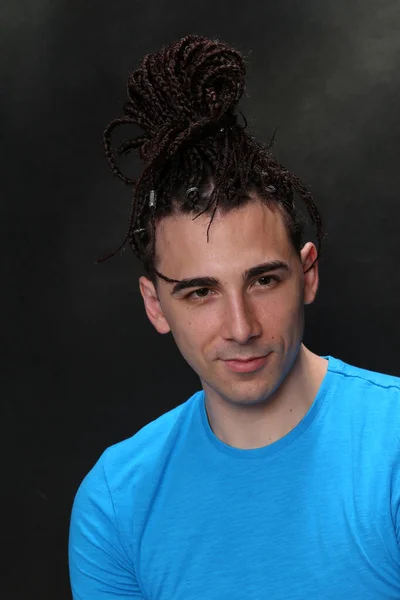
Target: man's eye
column 200, row 293
column 267, row 280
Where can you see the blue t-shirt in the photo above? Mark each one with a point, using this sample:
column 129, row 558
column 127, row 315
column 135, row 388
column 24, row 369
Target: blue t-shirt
column 173, row 513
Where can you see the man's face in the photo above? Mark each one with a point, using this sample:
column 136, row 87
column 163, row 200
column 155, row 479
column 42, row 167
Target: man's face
column 235, row 314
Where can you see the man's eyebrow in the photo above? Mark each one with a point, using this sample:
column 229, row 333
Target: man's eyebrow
column 199, row 282
column 266, row 267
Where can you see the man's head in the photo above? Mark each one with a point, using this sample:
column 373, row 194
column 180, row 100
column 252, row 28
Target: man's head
column 241, row 295
column 211, row 201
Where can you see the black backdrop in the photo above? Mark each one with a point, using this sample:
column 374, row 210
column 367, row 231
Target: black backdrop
column 82, row 368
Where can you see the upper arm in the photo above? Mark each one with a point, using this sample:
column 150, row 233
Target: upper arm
column 100, row 568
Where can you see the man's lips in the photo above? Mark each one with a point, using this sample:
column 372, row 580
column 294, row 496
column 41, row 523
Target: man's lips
column 244, row 359
column 246, row 365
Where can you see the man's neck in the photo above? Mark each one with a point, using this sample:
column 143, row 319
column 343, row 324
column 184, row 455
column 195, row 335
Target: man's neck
column 258, row 425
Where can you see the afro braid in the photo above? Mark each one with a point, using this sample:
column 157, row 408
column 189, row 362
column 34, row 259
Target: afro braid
column 184, row 99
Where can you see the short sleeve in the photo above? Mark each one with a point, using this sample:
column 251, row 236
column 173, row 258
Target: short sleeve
column 99, row 566
column 396, row 496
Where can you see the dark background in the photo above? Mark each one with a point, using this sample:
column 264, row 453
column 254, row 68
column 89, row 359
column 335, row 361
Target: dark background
column 81, row 367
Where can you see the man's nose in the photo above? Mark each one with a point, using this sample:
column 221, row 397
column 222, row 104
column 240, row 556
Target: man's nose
column 240, row 322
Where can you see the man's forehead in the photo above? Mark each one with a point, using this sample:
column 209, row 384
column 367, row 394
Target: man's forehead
column 243, row 221
column 238, row 239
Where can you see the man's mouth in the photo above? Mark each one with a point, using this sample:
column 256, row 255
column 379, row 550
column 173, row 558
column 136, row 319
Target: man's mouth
column 246, row 365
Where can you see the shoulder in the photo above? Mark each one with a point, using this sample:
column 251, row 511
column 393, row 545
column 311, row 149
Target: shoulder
column 132, row 463
column 364, row 378
column 369, row 396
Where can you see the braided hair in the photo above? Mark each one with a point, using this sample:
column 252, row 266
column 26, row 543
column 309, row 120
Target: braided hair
column 196, row 156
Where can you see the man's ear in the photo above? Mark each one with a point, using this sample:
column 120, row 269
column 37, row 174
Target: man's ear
column 311, row 276
column 152, row 305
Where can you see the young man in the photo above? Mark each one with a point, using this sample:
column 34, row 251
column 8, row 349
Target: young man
column 280, row 478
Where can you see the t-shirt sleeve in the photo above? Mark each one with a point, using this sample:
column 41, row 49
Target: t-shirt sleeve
column 396, row 496
column 99, row 566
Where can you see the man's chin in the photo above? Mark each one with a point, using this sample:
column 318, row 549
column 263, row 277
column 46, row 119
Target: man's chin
column 243, row 394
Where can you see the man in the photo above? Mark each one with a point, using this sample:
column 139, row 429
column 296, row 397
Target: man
column 280, row 478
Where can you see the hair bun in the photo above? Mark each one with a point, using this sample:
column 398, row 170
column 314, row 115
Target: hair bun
column 187, row 91
column 192, row 80
column 212, row 75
